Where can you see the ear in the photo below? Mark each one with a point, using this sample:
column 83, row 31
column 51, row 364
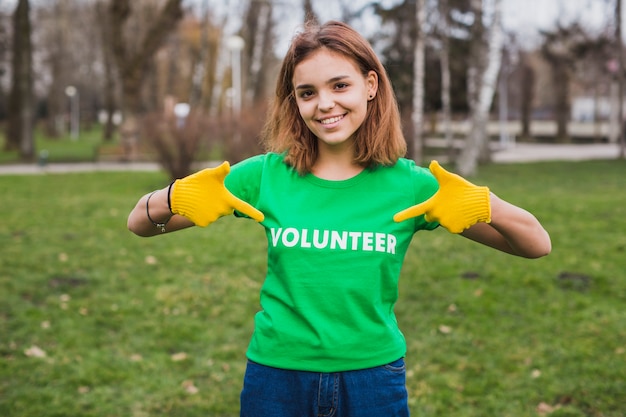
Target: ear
column 371, row 80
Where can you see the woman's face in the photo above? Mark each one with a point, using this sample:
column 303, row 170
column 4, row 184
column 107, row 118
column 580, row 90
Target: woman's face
column 332, row 95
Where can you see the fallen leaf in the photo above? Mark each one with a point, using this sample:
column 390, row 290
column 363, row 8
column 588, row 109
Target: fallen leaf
column 544, row 408
column 83, row 390
column 151, row 260
column 180, row 356
column 35, row 352
column 536, row 373
column 445, row 329
column 63, row 257
column 190, row 387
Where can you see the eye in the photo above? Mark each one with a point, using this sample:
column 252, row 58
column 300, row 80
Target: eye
column 304, row 94
column 341, row 86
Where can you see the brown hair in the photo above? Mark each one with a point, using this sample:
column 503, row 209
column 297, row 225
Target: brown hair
column 378, row 141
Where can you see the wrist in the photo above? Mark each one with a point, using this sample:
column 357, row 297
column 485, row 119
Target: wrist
column 478, row 204
column 157, row 209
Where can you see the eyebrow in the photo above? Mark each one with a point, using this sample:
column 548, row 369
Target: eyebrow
column 330, row 81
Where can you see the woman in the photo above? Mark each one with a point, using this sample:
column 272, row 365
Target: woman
column 339, row 205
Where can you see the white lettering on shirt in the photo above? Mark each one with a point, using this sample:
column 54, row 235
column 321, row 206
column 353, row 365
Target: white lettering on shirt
column 334, row 240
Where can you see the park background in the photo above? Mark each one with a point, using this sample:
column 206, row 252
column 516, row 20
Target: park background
column 97, row 322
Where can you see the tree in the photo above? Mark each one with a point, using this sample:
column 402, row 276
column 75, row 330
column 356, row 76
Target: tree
column 206, row 67
column 417, row 115
column 484, row 68
column 593, row 75
column 110, row 102
column 397, row 54
column 132, row 59
column 67, row 52
column 258, row 54
column 21, row 107
column 4, row 49
column 620, row 80
column 527, row 76
column 558, row 49
column 444, row 57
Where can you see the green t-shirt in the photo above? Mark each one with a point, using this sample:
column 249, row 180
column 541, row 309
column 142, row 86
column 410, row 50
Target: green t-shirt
column 334, row 260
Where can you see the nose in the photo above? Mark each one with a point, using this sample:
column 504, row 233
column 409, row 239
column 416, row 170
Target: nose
column 326, row 101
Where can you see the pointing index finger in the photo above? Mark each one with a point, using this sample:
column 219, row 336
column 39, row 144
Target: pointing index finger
column 414, row 211
column 246, row 209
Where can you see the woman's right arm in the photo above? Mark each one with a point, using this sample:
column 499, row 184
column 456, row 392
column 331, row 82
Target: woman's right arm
column 201, row 198
column 158, row 209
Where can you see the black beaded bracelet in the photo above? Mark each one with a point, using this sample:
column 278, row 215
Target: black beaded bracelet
column 169, row 196
column 161, row 225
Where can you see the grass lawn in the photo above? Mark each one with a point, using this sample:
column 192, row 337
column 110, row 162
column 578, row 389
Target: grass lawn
column 64, row 149
column 97, row 322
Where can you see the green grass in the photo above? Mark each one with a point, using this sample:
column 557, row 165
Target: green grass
column 62, row 149
column 131, row 326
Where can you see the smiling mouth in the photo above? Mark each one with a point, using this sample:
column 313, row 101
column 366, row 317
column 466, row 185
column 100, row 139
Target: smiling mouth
column 331, row 120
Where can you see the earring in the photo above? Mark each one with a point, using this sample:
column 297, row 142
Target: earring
column 371, row 96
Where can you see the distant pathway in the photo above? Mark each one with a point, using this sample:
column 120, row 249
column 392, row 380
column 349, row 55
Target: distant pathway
column 531, row 152
column 516, row 153
column 57, row 168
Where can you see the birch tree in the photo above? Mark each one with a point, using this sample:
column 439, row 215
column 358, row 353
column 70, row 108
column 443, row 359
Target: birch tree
column 417, row 116
column 483, row 73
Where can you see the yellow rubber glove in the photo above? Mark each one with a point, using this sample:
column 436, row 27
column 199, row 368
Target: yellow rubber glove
column 457, row 205
column 203, row 198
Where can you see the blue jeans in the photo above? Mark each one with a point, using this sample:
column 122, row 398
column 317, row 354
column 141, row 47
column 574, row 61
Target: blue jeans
column 374, row 392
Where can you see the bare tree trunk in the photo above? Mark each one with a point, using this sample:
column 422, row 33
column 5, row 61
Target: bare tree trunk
column 561, row 80
column 257, row 32
column 210, row 87
column 528, row 92
column 444, row 58
column 417, row 116
column 620, row 77
column 4, row 49
column 263, row 55
column 195, row 96
column 21, row 107
column 132, row 65
column 468, row 159
column 477, row 142
column 109, row 77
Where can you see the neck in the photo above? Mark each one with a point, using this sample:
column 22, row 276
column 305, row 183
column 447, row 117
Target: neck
column 336, row 167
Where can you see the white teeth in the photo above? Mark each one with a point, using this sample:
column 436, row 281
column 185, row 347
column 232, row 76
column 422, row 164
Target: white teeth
column 331, row 120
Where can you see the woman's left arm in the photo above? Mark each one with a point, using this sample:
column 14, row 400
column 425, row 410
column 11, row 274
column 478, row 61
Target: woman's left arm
column 512, row 230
